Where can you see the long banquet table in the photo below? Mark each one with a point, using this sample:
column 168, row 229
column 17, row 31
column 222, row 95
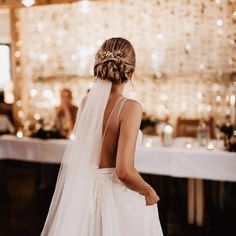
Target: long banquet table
column 173, row 161
column 176, row 161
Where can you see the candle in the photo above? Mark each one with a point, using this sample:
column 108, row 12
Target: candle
column 72, row 137
column 210, row 146
column 19, row 134
column 167, row 135
column 148, row 143
column 189, row 144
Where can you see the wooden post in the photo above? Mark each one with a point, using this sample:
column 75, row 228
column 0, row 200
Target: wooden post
column 15, row 65
column 191, row 201
column 199, row 202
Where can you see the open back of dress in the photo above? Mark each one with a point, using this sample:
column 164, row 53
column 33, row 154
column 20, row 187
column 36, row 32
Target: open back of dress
column 110, row 135
column 118, row 210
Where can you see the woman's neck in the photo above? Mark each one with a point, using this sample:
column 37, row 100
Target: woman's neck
column 117, row 88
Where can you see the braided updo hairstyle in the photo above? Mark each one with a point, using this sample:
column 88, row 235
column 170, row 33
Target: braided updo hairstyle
column 115, row 61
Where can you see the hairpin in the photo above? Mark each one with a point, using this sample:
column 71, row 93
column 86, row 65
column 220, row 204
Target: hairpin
column 108, row 54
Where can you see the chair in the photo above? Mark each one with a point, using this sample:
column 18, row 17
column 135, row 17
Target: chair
column 188, row 127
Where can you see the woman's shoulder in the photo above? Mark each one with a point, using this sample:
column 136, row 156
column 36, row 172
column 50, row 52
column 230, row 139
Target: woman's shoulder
column 131, row 107
column 132, row 104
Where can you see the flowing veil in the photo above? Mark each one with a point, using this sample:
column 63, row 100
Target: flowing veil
column 70, row 209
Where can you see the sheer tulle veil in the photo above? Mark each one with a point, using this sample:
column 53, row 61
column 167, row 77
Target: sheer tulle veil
column 71, row 202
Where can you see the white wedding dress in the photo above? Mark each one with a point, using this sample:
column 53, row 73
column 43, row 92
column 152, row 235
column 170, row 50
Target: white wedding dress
column 89, row 201
column 120, row 211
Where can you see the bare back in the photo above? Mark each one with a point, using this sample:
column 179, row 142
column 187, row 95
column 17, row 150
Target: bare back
column 111, row 131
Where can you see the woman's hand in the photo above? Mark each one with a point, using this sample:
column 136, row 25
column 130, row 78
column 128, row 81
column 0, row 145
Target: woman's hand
column 151, row 197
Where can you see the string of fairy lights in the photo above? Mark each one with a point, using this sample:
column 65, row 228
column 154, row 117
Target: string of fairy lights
column 185, row 50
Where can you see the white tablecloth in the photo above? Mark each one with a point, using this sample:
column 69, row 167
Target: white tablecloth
column 173, row 161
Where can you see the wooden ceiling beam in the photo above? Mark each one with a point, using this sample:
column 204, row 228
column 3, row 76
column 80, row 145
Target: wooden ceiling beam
column 17, row 3
column 10, row 4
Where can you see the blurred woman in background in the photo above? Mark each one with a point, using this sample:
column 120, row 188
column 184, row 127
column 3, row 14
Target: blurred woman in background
column 65, row 114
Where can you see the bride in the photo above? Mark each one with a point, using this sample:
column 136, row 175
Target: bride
column 98, row 191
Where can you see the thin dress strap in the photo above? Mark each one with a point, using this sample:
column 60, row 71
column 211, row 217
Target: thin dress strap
column 109, row 117
column 119, row 111
column 122, row 101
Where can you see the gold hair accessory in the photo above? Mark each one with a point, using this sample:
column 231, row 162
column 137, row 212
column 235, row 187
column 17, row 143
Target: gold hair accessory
column 108, row 54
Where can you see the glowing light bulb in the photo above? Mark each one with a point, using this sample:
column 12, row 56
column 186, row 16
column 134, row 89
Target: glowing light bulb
column 232, row 100
column 17, row 54
column 54, row 101
column 33, row 92
column 209, row 108
column 20, row 114
column 234, row 14
column 19, row 43
column 187, row 46
column 28, row 3
column 219, row 22
column 48, row 93
column 202, row 66
column 37, row 116
column 19, row 103
column 218, row 98
column 231, row 41
column 84, row 7
column 199, row 95
column 158, row 74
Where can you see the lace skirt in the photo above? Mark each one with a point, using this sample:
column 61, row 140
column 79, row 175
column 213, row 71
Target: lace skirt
column 120, row 211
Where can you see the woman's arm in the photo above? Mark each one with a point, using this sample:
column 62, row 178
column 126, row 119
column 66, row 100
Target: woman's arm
column 69, row 117
column 130, row 119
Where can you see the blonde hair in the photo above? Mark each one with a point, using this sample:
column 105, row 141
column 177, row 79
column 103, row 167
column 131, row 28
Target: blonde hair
column 115, row 60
